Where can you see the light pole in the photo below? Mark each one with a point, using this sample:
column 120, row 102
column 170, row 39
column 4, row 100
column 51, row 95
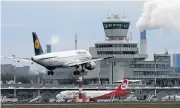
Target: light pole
column 38, row 84
column 99, row 75
column 14, row 87
column 15, row 78
column 155, row 78
column 38, row 79
column 112, row 71
column 99, row 79
column 75, row 41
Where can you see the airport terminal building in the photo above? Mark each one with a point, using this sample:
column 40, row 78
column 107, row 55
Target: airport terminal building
column 130, row 60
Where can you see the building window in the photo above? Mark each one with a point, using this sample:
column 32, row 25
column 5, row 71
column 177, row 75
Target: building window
column 116, row 45
column 128, row 52
column 116, row 25
column 131, row 66
column 116, row 52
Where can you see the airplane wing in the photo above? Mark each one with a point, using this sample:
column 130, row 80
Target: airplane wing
column 88, row 61
column 18, row 59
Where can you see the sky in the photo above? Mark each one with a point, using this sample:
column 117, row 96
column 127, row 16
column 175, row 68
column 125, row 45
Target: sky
column 63, row 19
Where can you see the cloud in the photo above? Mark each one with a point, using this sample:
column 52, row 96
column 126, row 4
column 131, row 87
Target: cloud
column 160, row 14
column 14, row 25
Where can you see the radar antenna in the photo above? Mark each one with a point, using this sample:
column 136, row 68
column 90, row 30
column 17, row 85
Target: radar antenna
column 108, row 17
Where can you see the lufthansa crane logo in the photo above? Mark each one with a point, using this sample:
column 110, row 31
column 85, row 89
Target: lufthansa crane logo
column 36, row 44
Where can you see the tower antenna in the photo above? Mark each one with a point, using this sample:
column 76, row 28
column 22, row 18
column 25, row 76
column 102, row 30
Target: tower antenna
column 123, row 13
column 123, row 16
column 166, row 51
column 75, row 41
column 108, row 16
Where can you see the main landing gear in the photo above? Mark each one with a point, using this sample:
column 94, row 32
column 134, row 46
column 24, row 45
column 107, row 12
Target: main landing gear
column 50, row 72
column 78, row 72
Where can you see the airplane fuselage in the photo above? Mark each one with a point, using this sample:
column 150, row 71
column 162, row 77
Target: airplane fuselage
column 61, row 59
column 94, row 95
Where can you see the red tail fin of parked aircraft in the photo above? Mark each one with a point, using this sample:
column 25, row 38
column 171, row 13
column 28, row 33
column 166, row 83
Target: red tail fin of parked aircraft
column 123, row 85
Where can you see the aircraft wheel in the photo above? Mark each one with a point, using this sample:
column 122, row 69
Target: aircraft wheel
column 83, row 70
column 74, row 72
column 77, row 72
column 49, row 72
column 52, row 72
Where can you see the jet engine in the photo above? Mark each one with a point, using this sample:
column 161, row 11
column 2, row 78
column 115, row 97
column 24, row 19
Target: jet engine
column 90, row 66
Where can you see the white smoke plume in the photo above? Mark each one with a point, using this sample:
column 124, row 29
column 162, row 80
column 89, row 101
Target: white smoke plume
column 164, row 14
column 55, row 39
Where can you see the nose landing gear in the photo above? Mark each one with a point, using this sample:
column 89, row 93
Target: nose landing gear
column 50, row 72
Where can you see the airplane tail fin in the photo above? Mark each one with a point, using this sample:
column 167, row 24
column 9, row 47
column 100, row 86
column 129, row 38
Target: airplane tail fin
column 123, row 85
column 37, row 46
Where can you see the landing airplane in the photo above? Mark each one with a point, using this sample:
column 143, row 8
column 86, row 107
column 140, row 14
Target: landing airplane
column 80, row 59
column 95, row 95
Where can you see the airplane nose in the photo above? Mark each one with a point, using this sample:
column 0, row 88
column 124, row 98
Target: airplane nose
column 58, row 95
column 32, row 58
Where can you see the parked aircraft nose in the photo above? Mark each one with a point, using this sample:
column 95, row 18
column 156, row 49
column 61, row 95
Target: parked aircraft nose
column 58, row 95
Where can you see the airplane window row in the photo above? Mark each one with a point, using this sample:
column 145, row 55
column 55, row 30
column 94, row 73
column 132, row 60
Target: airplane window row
column 150, row 73
column 163, row 66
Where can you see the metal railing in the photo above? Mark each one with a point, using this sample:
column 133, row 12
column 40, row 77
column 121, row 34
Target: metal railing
column 96, row 86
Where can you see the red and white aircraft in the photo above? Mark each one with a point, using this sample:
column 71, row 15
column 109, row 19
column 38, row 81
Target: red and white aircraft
column 95, row 95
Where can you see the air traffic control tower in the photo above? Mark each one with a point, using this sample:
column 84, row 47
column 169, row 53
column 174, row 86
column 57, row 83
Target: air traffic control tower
column 117, row 44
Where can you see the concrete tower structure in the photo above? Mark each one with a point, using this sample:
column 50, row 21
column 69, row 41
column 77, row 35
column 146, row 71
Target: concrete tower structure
column 143, row 42
column 116, row 44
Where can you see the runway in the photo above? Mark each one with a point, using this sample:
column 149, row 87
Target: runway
column 93, row 103
column 96, row 105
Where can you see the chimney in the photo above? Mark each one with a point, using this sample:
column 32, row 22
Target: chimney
column 143, row 35
column 48, row 48
column 143, row 42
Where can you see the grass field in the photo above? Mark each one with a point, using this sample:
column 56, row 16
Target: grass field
column 96, row 106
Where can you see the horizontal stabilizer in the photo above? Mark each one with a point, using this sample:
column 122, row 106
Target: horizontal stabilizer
column 18, row 59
